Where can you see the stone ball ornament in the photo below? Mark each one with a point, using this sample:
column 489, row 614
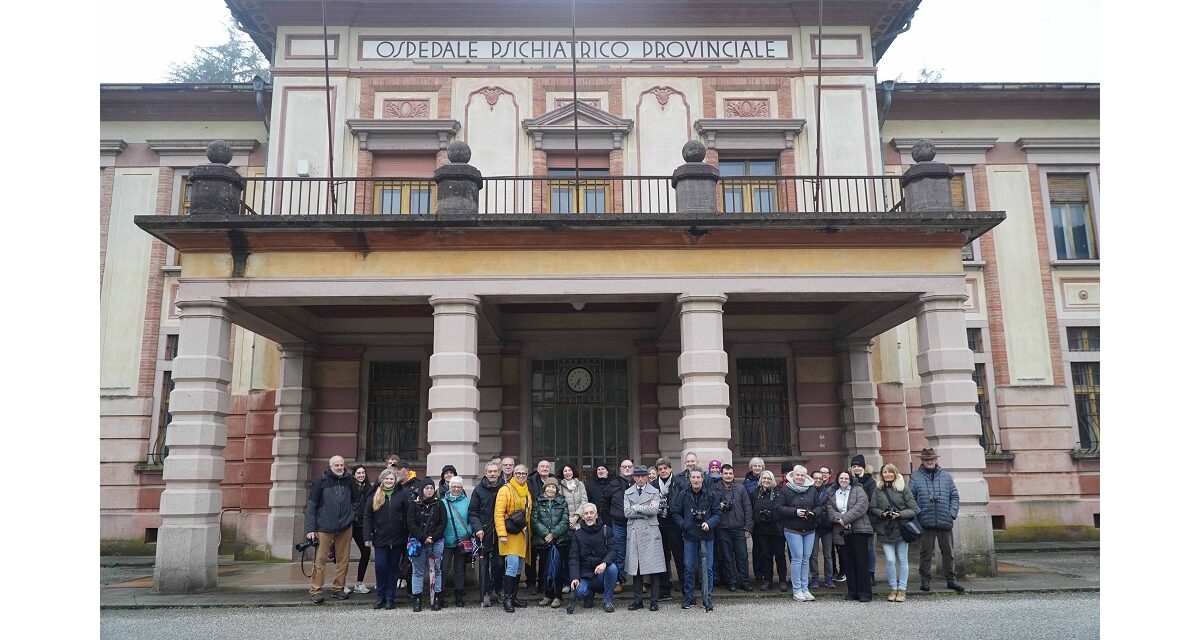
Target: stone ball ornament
column 219, row 152
column 459, row 152
column 693, row 151
column 923, row 150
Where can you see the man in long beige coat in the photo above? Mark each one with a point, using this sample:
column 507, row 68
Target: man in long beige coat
column 643, row 550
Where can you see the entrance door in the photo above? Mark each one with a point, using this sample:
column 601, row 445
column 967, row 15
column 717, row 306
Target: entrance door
column 580, row 410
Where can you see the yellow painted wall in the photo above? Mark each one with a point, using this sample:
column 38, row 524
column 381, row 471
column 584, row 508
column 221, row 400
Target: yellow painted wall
column 141, row 131
column 1004, row 130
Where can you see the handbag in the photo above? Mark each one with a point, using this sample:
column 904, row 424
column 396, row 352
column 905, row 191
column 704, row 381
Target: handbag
column 910, row 530
column 466, row 546
column 515, row 522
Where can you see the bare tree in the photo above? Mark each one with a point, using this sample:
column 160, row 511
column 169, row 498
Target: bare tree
column 924, row 75
column 237, row 60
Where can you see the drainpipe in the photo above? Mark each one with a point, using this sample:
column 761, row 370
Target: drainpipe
column 888, row 86
column 260, row 87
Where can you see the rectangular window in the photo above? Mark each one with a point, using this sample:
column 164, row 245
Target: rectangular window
column 185, row 197
column 1083, row 338
column 762, row 398
column 987, row 438
column 172, row 346
column 393, row 410
column 405, row 187
column 752, row 188
column 1085, row 377
column 958, row 199
column 568, row 195
column 1071, row 212
column 975, row 340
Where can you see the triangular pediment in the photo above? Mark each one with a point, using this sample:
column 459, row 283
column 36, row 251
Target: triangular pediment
column 591, row 118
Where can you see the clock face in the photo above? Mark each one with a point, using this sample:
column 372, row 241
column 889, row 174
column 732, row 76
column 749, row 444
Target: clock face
column 579, row 379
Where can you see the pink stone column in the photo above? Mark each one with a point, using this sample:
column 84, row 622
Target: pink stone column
column 290, row 447
column 186, row 555
column 860, row 415
column 703, row 366
column 453, row 433
column 948, row 395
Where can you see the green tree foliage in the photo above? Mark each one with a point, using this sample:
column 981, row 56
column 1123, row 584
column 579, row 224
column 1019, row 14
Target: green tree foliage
column 237, row 60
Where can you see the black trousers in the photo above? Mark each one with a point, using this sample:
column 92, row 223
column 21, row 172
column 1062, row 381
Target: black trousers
column 454, row 568
column 672, row 543
column 855, row 564
column 364, row 553
column 769, row 553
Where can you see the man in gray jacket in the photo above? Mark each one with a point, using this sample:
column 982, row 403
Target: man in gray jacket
column 937, row 497
column 329, row 520
column 737, row 524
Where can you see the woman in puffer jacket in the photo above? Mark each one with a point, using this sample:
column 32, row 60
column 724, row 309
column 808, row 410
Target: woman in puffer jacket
column 427, row 524
column 892, row 506
column 799, row 512
column 852, row 530
column 768, row 530
column 551, row 530
column 385, row 529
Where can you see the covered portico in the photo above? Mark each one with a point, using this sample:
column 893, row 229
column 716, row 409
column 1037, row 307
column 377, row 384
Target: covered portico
column 471, row 296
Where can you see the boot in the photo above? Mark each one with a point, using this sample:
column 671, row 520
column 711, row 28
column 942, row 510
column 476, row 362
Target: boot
column 901, row 596
column 707, row 604
column 654, row 592
column 571, row 605
column 924, row 584
column 892, row 595
column 951, row 584
column 416, row 602
column 516, row 589
column 391, row 604
column 509, row 587
column 379, row 604
column 458, row 598
column 637, row 593
column 437, row 601
column 487, row 600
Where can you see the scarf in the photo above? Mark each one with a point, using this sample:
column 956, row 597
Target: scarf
column 522, row 490
column 797, row 488
column 388, row 492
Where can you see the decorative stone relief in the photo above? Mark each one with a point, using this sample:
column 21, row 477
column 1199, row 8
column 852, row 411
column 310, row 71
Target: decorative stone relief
column 405, row 109
column 747, row 108
column 663, row 95
column 492, row 95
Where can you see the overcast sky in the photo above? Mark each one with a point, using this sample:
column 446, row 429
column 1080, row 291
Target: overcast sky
column 968, row 40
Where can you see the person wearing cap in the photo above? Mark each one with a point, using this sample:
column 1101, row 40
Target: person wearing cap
column 551, row 530
column 443, row 485
column 454, row 560
column 514, row 506
column 860, row 474
column 597, row 489
column 427, row 525
column 643, row 551
column 937, row 498
column 714, row 471
column 537, row 480
column 799, row 513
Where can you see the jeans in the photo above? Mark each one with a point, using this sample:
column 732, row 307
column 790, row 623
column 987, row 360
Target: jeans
column 945, row 542
column 691, row 552
column 387, row 566
column 825, row 541
column 800, row 545
column 454, row 565
column 893, row 551
column 733, row 556
column 513, row 565
column 608, row 579
column 619, row 538
column 420, row 563
column 340, row 543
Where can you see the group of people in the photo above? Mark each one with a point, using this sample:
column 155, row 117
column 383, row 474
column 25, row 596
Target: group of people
column 577, row 538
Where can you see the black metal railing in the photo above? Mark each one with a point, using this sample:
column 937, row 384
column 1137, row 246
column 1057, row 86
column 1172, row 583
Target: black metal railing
column 808, row 194
column 543, row 194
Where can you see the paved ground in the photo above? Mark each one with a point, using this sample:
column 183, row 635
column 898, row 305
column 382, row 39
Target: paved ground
column 1062, row 616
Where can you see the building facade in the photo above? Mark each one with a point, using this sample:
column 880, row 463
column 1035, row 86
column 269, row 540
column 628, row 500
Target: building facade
column 597, row 292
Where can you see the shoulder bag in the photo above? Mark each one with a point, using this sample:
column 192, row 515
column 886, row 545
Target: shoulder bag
column 515, row 522
column 466, row 546
column 910, row 530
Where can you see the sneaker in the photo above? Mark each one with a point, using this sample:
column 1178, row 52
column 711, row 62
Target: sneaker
column 841, row 577
column 401, row 583
column 901, row 596
column 555, row 603
column 809, row 596
column 566, row 589
column 361, row 588
column 687, row 604
column 346, row 589
column 544, row 601
column 951, row 584
column 341, row 594
column 814, row 584
column 892, row 595
column 608, row 607
column 618, row 589
column 829, row 583
column 317, row 598
column 798, row 596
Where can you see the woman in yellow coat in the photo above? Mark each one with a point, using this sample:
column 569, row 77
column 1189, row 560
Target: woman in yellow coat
column 512, row 498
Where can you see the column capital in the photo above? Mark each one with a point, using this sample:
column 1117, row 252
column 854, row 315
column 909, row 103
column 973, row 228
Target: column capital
column 854, row 344
column 297, row 350
column 701, row 298
column 216, row 307
column 941, row 301
column 450, row 300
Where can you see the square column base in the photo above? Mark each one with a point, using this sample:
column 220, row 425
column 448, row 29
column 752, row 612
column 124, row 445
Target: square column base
column 186, row 559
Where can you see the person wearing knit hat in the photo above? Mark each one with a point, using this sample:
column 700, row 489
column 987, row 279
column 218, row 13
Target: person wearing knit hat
column 860, row 474
column 443, row 485
column 427, row 525
column 551, row 533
